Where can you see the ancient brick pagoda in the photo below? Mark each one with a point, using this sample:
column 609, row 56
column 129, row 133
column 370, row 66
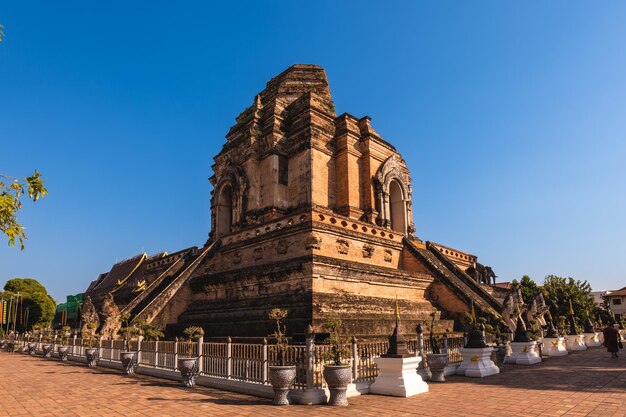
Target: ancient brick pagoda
column 311, row 212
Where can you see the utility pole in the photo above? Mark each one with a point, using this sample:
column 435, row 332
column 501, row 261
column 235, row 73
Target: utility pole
column 9, row 313
column 17, row 305
column 26, row 322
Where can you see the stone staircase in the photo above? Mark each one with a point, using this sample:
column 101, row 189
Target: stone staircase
column 455, row 278
column 150, row 307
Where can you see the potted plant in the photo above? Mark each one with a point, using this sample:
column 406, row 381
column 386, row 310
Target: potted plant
column 337, row 374
column 46, row 338
column 32, row 339
column 438, row 359
column 188, row 362
column 89, row 341
column 130, row 332
column 150, row 332
column 281, row 376
column 63, row 349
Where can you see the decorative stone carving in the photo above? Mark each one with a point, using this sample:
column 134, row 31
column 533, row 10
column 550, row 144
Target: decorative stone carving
column 313, row 241
column 281, row 247
column 89, row 314
column 258, row 253
column 388, row 257
column 343, row 246
column 234, row 176
column 111, row 314
column 512, row 307
column 536, row 311
column 237, row 257
column 390, row 170
column 368, row 250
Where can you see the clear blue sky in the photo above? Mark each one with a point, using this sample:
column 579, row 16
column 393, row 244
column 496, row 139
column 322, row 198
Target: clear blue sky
column 511, row 117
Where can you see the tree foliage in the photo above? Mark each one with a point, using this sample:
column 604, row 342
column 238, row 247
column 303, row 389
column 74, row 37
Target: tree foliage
column 41, row 306
column 559, row 292
column 528, row 288
column 24, row 286
column 12, row 191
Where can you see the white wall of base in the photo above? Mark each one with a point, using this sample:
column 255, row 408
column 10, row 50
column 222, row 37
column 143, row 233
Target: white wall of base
column 592, row 339
column 523, row 353
column 398, row 377
column 575, row 342
column 554, row 346
column 477, row 363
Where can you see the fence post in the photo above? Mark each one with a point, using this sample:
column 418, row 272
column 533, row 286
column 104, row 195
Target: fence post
column 422, row 367
column 139, row 339
column 229, row 358
column 200, row 353
column 265, row 363
column 310, row 357
column 156, row 353
column 176, row 353
column 355, row 360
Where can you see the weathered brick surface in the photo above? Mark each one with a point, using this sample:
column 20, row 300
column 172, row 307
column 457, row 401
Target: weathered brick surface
column 582, row 384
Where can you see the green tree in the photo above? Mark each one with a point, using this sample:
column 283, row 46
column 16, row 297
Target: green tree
column 41, row 306
column 528, row 288
column 11, row 192
column 559, row 292
column 24, row 285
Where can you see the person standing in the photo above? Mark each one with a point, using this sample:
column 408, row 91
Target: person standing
column 611, row 339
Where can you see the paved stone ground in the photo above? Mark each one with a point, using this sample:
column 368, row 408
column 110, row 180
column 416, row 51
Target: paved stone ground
column 580, row 384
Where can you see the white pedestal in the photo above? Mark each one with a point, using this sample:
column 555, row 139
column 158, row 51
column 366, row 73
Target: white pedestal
column 524, row 353
column 398, row 377
column 477, row 363
column 554, row 346
column 575, row 342
column 592, row 340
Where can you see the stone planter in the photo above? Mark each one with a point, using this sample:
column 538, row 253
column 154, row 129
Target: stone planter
column 554, row 346
column 337, row 378
column 92, row 357
column 128, row 362
column 437, row 363
column 32, row 346
column 188, row 368
column 46, row 350
column 281, row 378
column 524, row 353
column 63, row 351
column 575, row 342
column 592, row 340
column 397, row 377
column 477, row 363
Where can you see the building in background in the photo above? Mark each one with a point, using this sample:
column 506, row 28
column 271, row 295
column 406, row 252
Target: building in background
column 68, row 313
column 617, row 302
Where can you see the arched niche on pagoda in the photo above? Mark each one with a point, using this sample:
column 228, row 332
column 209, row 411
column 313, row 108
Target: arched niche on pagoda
column 393, row 196
column 229, row 200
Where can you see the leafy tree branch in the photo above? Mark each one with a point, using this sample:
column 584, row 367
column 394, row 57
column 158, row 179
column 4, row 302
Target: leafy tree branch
column 12, row 190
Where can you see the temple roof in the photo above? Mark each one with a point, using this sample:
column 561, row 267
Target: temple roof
column 118, row 274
